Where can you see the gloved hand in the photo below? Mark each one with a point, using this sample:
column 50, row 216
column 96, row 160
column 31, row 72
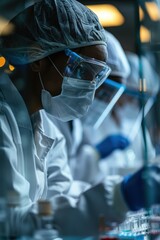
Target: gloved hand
column 111, row 143
column 142, row 189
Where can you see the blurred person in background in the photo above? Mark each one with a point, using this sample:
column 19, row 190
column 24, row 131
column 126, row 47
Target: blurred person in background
column 126, row 118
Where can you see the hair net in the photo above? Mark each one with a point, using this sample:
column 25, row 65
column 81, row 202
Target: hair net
column 150, row 77
column 116, row 57
column 50, row 26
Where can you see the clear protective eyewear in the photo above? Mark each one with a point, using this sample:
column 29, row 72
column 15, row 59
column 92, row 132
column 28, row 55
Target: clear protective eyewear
column 85, row 68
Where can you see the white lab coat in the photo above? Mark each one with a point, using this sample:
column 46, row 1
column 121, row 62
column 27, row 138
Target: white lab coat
column 122, row 162
column 52, row 164
column 23, row 167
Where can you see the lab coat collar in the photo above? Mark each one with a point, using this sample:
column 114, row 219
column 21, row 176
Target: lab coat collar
column 45, row 124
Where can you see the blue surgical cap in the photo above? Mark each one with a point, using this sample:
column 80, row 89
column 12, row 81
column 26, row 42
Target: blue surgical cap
column 48, row 27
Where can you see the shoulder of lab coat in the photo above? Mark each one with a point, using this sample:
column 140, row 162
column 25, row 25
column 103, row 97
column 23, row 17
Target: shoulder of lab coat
column 51, row 152
column 17, row 165
column 16, row 145
column 81, row 217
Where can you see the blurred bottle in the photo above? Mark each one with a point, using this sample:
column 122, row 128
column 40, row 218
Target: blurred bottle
column 45, row 229
column 106, row 232
column 13, row 202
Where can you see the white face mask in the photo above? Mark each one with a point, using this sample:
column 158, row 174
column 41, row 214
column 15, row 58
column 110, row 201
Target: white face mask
column 73, row 102
column 81, row 78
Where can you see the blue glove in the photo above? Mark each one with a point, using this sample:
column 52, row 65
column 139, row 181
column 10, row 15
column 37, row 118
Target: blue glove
column 142, row 189
column 111, row 143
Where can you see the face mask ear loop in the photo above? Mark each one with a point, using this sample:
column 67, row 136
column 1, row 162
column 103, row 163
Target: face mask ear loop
column 40, row 78
column 55, row 67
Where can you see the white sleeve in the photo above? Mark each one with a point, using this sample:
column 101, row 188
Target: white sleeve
column 58, row 172
column 10, row 170
column 82, row 218
column 86, row 167
column 11, row 177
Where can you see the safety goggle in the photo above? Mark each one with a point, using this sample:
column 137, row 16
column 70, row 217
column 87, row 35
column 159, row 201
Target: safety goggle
column 85, row 68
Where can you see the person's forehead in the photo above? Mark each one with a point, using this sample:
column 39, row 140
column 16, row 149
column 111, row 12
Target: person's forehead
column 98, row 52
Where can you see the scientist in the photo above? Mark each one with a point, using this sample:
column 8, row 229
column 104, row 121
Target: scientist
column 58, row 68
column 83, row 156
column 126, row 118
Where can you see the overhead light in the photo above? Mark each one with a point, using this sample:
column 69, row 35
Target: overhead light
column 5, row 27
column 2, row 61
column 141, row 14
column 108, row 14
column 145, row 34
column 11, row 67
column 153, row 11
